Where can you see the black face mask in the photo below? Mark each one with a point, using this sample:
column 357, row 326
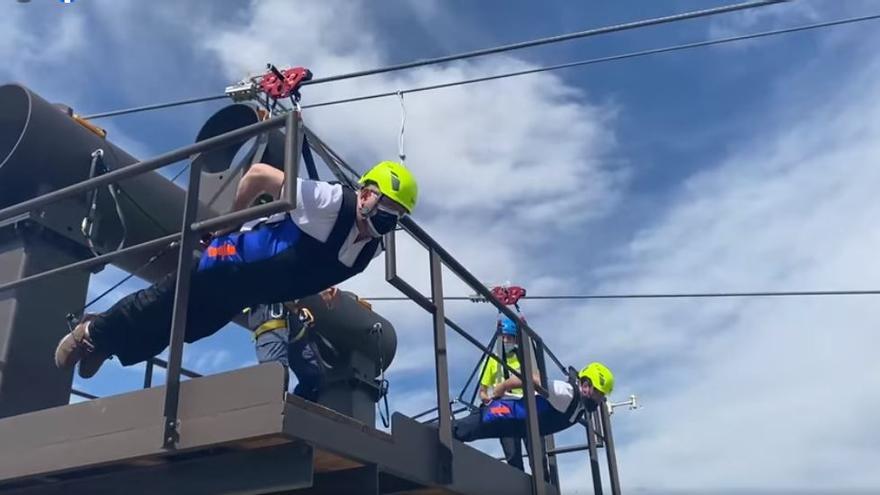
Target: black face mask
column 382, row 222
column 590, row 404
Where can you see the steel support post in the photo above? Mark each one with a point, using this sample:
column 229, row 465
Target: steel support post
column 293, row 143
column 594, row 455
column 605, row 419
column 549, row 441
column 477, row 372
column 188, row 241
column 533, row 433
column 442, row 370
column 32, row 321
column 568, row 449
column 148, row 374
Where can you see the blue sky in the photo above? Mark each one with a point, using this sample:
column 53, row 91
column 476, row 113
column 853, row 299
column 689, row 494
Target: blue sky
column 745, row 167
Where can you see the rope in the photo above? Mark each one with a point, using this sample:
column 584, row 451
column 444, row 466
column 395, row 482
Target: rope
column 400, row 150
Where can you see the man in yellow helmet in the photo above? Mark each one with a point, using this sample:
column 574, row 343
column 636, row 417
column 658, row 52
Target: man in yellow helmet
column 560, row 409
column 332, row 234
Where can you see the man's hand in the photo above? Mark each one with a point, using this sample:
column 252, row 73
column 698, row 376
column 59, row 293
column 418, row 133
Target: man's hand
column 499, row 391
column 484, row 396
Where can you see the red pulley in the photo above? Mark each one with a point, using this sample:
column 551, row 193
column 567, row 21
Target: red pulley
column 508, row 295
column 283, row 84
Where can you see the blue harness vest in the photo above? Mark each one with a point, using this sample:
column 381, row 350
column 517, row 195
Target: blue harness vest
column 550, row 420
column 310, row 265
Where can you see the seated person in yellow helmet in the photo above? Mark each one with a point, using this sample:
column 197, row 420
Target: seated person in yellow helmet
column 332, row 235
column 507, row 417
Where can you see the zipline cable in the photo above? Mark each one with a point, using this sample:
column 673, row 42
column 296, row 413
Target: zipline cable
column 681, row 295
column 476, row 53
column 599, row 60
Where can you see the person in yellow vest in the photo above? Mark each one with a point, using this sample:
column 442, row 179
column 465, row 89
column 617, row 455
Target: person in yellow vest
column 495, row 378
column 561, row 408
column 281, row 334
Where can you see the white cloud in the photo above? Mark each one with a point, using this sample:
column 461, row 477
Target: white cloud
column 25, row 45
column 755, row 393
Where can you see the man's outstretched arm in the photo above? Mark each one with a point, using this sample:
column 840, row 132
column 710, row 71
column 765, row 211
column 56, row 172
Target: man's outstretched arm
column 512, row 383
column 259, row 179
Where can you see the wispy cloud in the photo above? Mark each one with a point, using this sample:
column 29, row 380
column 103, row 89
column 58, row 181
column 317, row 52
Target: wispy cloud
column 750, row 393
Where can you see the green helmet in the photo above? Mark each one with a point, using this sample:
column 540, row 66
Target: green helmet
column 600, row 376
column 395, row 182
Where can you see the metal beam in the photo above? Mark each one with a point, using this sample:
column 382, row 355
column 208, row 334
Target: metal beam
column 441, row 369
column 610, row 453
column 240, row 216
column 168, row 158
column 549, row 441
column 594, row 455
column 293, row 143
column 250, row 472
column 90, row 263
column 533, row 435
column 188, row 243
column 361, row 480
column 84, row 395
column 148, row 374
column 183, row 371
column 32, row 321
column 478, row 371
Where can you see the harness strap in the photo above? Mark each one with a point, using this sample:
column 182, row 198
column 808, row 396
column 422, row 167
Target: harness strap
column 344, row 222
column 268, row 326
column 577, row 406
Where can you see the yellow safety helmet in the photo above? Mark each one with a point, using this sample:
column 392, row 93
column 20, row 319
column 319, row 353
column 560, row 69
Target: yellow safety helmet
column 395, row 182
column 600, row 376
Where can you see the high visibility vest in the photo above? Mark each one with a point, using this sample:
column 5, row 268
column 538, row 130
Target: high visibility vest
column 493, row 374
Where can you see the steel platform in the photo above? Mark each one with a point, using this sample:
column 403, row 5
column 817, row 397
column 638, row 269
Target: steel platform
column 239, row 433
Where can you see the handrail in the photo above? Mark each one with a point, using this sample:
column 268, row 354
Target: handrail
column 237, row 135
column 84, row 395
column 187, row 239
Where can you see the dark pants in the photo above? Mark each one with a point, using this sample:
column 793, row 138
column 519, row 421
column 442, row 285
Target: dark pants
column 300, row 356
column 512, row 447
column 138, row 326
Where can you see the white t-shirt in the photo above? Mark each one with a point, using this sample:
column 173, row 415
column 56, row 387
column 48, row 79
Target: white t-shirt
column 560, row 395
column 317, row 207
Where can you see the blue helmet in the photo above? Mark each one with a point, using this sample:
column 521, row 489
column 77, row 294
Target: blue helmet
column 508, row 326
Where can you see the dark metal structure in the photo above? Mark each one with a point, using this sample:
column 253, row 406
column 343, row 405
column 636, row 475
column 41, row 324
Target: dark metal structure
column 238, row 432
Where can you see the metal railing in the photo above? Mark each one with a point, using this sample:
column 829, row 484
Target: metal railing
column 187, row 240
column 148, row 377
